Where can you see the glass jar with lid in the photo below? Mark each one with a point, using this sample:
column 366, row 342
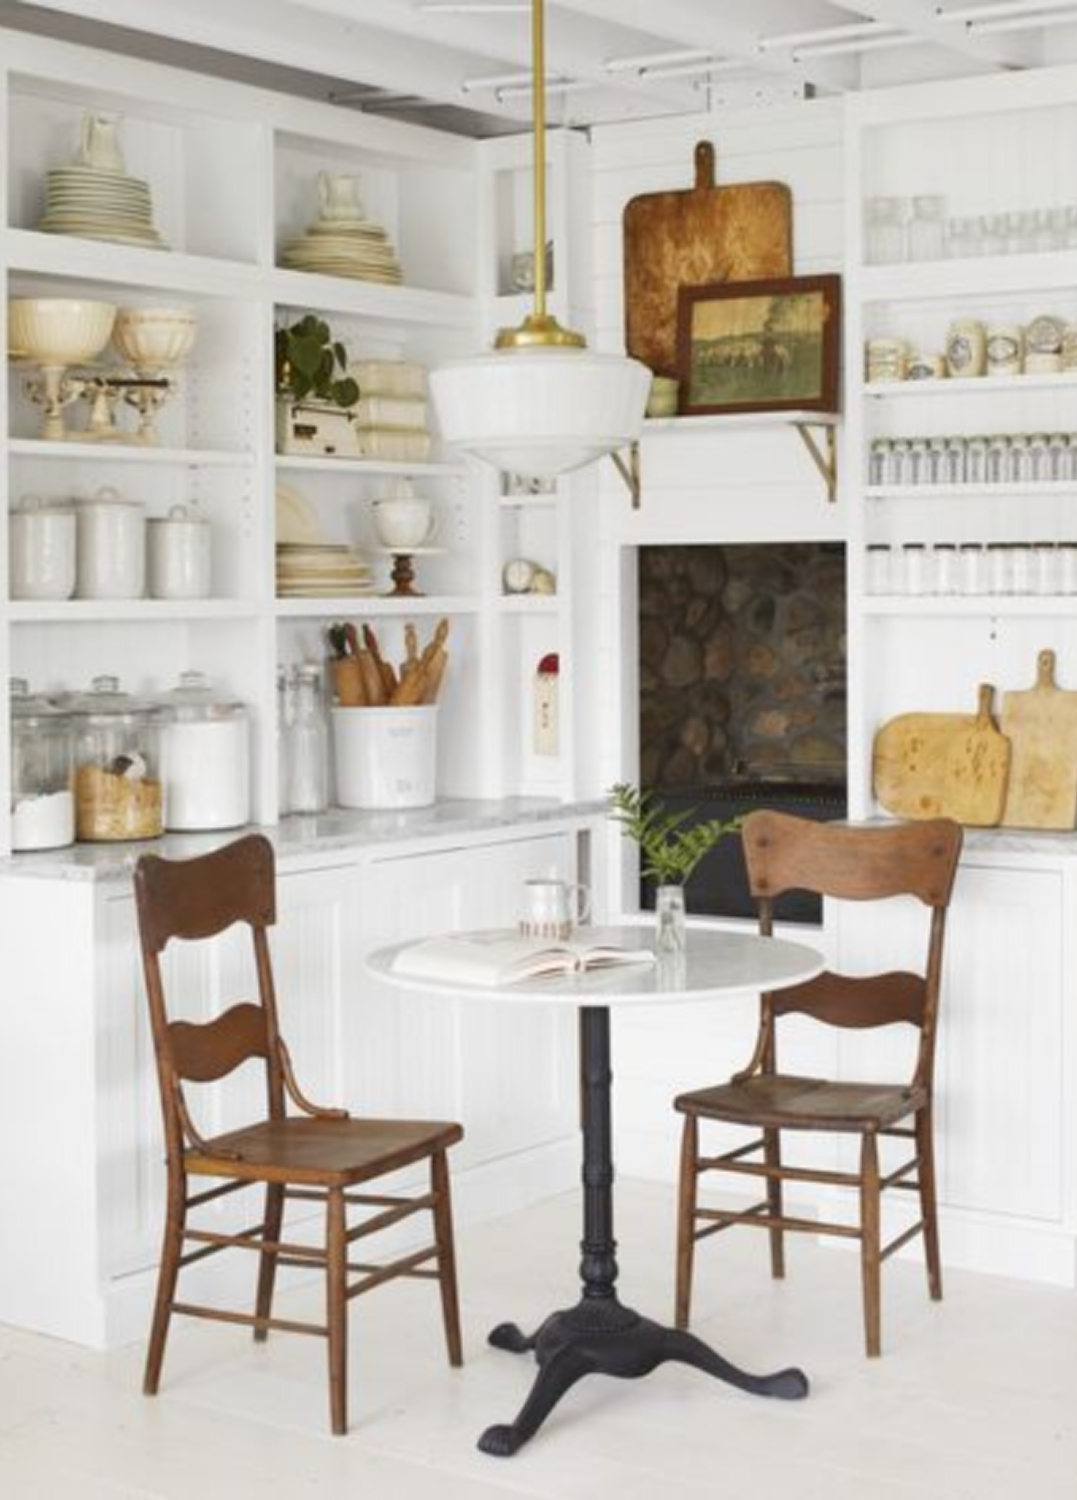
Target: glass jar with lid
column 927, row 228
column 118, row 789
column 206, row 757
column 944, row 568
column 42, row 800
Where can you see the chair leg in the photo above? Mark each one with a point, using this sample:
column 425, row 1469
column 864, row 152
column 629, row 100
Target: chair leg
column 336, row 1271
column 925, row 1150
column 267, row 1261
column 167, row 1276
column 772, row 1155
column 870, row 1262
column 443, row 1239
column 686, row 1219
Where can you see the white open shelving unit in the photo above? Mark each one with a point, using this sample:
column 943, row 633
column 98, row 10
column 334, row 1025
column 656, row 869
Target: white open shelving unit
column 230, row 186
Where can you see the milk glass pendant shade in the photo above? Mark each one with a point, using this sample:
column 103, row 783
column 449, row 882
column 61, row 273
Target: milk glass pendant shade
column 540, row 404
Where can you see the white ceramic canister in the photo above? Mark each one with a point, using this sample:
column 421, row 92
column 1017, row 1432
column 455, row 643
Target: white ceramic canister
column 205, row 757
column 966, row 348
column 41, row 551
column 111, row 547
column 179, row 555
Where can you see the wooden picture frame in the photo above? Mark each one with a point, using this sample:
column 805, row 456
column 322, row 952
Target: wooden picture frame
column 770, row 345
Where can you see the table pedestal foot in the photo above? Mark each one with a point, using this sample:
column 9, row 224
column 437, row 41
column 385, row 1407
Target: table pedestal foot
column 604, row 1338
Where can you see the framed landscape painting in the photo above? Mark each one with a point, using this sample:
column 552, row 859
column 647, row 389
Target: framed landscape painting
column 760, row 345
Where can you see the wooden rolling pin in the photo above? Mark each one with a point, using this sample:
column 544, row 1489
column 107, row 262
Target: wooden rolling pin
column 385, row 669
column 429, row 670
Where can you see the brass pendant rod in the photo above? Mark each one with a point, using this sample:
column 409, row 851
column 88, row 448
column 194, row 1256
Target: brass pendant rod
column 538, row 128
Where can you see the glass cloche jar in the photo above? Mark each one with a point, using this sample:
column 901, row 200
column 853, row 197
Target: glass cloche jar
column 206, row 757
column 42, row 800
column 118, row 788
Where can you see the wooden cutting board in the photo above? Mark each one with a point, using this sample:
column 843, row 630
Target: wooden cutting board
column 703, row 234
column 1042, row 724
column 943, row 765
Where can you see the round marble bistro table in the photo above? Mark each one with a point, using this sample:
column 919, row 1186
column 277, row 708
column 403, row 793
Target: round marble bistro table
column 599, row 1335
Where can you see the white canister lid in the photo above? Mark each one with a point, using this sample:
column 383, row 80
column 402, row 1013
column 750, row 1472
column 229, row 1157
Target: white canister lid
column 195, row 698
column 180, row 515
column 107, row 498
column 31, row 505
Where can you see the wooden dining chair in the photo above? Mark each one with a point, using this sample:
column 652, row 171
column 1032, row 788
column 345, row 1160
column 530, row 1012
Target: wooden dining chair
column 319, row 1155
column 785, row 853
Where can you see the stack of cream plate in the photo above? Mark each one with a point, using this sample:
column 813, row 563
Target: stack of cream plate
column 320, row 570
column 345, row 247
column 98, row 205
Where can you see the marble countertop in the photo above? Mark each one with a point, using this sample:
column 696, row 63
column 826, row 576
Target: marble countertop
column 307, row 834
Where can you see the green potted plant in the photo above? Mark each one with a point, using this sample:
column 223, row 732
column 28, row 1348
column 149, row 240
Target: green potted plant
column 669, row 852
column 316, row 396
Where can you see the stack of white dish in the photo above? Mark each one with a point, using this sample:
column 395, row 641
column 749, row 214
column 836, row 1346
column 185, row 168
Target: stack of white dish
column 320, row 570
column 343, row 247
column 100, row 205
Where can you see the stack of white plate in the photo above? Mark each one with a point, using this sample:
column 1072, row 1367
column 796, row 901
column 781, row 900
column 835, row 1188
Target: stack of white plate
column 99, row 205
column 320, row 570
column 345, row 247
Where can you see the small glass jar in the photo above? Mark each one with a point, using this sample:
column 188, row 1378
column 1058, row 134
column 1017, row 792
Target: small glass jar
column 999, row 568
column 899, row 462
column 878, row 454
column 936, row 460
column 914, row 568
column 971, row 568
column 1021, row 568
column 1045, row 568
column 1039, row 458
column 884, row 231
column 918, row 469
column 1058, row 457
column 1067, row 567
column 944, row 579
column 42, row 799
column 1018, row 463
column 878, row 572
column 954, row 462
column 1071, row 466
column 976, row 460
column 927, row 228
column 118, row 789
column 308, row 744
column 998, row 460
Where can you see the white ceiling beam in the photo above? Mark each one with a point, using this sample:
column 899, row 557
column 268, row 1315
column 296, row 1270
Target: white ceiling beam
column 921, row 18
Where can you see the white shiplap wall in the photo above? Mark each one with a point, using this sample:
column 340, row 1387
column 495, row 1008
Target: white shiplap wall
column 707, row 488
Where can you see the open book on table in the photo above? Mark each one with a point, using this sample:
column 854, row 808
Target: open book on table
column 488, row 960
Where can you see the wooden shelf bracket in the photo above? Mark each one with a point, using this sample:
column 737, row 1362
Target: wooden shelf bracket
column 628, row 466
column 824, row 455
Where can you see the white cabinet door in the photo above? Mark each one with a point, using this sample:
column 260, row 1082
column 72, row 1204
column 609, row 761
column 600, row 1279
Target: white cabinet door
column 507, row 1075
column 999, row 1078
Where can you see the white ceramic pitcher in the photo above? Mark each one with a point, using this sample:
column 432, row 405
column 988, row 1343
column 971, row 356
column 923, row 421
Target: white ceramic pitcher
column 100, row 148
column 339, row 194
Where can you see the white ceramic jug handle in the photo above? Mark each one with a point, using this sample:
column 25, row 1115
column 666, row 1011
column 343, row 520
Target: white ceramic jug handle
column 87, row 133
column 583, row 902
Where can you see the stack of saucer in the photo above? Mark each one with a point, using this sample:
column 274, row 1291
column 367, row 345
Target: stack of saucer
column 100, row 205
column 345, row 247
column 320, row 570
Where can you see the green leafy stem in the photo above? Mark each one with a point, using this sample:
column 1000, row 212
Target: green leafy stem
column 670, row 851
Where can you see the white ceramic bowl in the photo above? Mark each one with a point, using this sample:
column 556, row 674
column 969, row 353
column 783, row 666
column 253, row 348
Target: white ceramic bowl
column 59, row 330
column 154, row 337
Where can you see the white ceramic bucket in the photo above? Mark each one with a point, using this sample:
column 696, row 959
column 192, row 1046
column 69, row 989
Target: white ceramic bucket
column 385, row 757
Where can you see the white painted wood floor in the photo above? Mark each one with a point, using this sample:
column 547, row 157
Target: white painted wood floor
column 975, row 1399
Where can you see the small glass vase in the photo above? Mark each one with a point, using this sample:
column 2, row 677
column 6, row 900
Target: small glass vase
column 669, row 913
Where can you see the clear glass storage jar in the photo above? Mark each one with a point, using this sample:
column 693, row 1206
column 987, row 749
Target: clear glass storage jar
column 205, row 757
column 42, row 800
column 927, row 228
column 118, row 789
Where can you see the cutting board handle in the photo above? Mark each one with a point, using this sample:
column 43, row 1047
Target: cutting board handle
column 1045, row 670
column 704, row 156
column 985, row 698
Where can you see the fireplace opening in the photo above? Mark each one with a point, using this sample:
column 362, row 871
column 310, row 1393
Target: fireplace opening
column 743, row 696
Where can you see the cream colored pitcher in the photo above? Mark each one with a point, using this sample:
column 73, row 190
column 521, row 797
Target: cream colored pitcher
column 339, row 192
column 100, row 147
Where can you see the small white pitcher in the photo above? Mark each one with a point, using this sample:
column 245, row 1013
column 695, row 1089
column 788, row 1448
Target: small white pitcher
column 339, row 194
column 100, row 148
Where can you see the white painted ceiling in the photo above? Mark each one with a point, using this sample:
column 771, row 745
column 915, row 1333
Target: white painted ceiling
column 462, row 63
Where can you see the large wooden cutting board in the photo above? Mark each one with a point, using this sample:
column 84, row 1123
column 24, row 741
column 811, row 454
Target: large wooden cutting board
column 1042, row 724
column 943, row 765
column 703, row 234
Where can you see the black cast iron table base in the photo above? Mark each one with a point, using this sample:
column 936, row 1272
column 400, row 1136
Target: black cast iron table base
column 599, row 1336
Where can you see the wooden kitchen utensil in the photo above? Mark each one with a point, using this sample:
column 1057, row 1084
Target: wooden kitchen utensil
column 1042, row 723
column 743, row 232
column 933, row 765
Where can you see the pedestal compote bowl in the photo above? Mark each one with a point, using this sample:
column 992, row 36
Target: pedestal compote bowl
column 56, row 333
column 154, row 341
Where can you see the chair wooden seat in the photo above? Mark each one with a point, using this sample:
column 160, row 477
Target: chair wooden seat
column 321, row 1153
column 785, row 1102
column 848, row 863
column 318, row 1155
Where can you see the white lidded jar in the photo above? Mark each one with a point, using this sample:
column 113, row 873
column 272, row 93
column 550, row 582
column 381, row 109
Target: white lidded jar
column 41, row 550
column 178, row 554
column 118, row 789
column 42, row 799
column 111, row 546
column 205, row 757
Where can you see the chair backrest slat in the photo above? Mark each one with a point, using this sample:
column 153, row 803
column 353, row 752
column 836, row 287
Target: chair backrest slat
column 208, row 1050
column 839, row 1000
column 197, row 898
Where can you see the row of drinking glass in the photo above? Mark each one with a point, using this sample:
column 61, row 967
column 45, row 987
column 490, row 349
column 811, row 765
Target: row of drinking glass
column 972, row 568
column 899, row 229
column 1001, row 458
